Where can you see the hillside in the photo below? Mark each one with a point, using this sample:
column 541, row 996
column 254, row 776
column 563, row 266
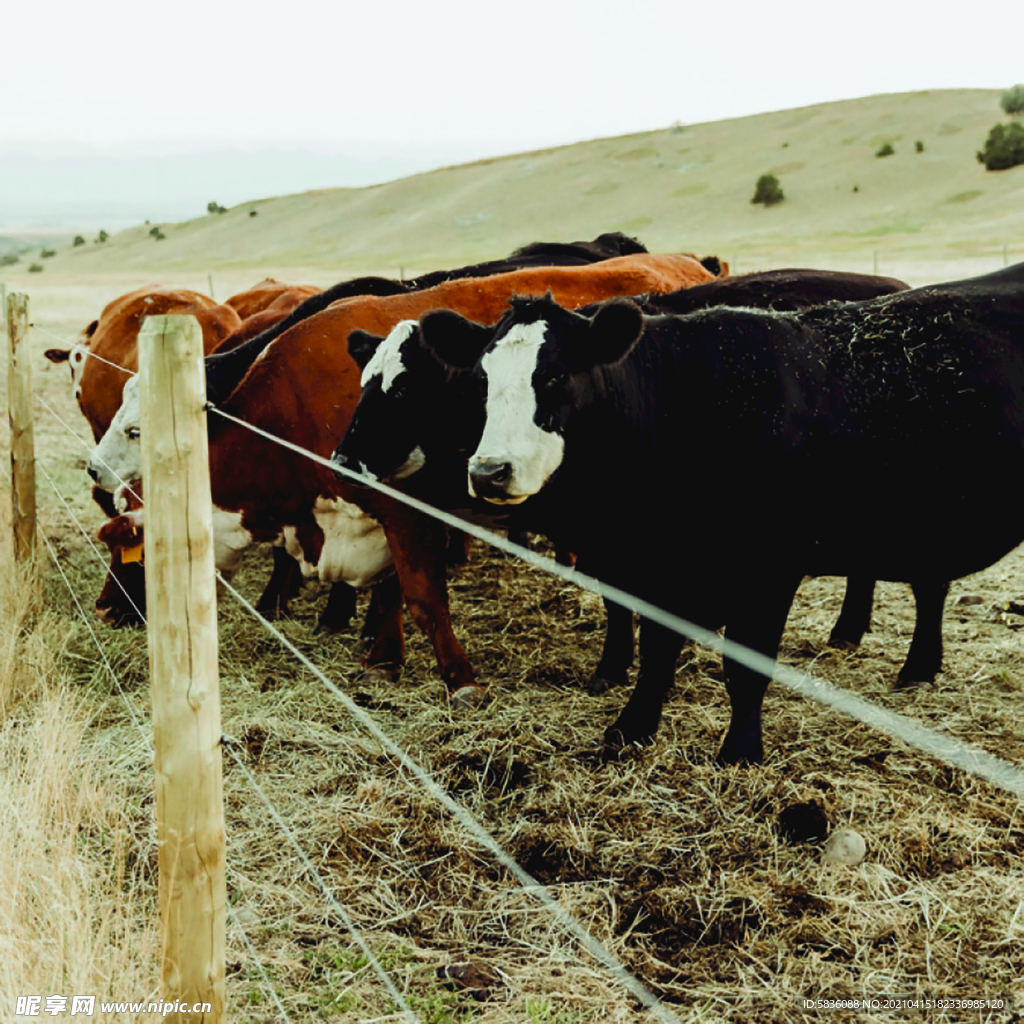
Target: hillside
column 682, row 188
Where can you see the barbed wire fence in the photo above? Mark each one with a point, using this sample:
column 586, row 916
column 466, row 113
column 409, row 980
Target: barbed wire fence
column 414, row 770
column 943, row 747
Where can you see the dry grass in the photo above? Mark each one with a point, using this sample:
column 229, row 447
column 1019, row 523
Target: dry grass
column 680, row 868
column 76, row 907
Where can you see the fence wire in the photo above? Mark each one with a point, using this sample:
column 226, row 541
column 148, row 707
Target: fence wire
column 587, row 941
column 289, row 834
column 946, row 748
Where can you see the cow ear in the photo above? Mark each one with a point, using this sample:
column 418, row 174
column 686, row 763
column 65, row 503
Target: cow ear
column 57, row 355
column 613, row 330
column 454, row 340
column 362, row 345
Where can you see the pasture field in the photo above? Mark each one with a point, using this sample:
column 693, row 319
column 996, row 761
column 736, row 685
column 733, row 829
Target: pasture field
column 680, row 868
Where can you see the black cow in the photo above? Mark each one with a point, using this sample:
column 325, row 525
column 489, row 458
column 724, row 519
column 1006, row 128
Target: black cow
column 780, row 290
column 225, row 370
column 816, row 424
column 413, row 413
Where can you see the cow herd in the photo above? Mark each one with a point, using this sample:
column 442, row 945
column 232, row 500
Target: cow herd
column 580, row 391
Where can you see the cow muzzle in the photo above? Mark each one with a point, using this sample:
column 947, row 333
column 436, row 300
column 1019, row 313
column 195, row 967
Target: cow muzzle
column 490, row 479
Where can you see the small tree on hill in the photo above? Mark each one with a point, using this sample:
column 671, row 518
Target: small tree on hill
column 768, row 190
column 885, row 149
column 1012, row 101
column 102, row 236
column 79, row 240
column 214, row 207
column 1004, row 147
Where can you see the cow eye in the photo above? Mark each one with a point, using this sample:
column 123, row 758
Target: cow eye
column 133, row 433
column 556, row 381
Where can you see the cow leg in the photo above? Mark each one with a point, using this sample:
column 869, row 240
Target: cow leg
column 855, row 616
column 617, row 656
column 285, row 583
column 459, row 544
column 757, row 624
column 122, row 601
column 924, row 660
column 418, row 546
column 382, row 640
column 638, row 720
column 339, row 610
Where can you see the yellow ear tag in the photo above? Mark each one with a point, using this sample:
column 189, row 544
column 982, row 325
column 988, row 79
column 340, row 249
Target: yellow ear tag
column 129, row 555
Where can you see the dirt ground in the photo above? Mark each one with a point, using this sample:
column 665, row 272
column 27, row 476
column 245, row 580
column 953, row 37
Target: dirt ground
column 690, row 874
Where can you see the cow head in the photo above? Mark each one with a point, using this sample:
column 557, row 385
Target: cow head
column 117, row 458
column 75, row 357
column 540, row 365
column 401, row 407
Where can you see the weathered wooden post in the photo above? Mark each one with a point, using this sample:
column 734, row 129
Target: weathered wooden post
column 182, row 607
column 23, row 452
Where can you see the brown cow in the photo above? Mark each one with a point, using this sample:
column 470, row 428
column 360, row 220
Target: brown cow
column 270, row 294
column 263, row 306
column 114, row 337
column 303, row 388
column 98, row 387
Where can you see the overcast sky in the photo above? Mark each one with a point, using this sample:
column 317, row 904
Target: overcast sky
column 101, row 101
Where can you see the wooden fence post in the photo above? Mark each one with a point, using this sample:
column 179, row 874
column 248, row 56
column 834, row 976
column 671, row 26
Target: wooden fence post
column 23, row 453
column 182, row 611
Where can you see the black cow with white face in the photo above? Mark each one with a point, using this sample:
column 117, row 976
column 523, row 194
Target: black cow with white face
column 414, row 411
column 848, row 438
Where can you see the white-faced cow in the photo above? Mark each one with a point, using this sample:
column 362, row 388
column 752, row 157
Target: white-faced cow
column 848, row 438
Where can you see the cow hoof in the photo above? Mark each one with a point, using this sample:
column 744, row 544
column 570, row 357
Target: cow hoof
column 272, row 614
column 602, row 684
column 730, row 756
column 385, row 672
column 334, row 629
column 119, row 619
column 908, row 680
column 839, row 644
column 465, row 698
column 617, row 743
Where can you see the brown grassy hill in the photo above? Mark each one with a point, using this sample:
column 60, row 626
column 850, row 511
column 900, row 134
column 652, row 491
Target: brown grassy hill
column 681, row 188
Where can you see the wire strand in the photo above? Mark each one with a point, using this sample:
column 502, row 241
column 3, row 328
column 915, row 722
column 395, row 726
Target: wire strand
column 323, row 887
column 947, row 748
column 595, row 948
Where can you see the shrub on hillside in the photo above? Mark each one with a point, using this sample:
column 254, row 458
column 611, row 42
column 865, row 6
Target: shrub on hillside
column 35, row 268
column 1012, row 101
column 157, row 233
column 768, row 190
column 102, row 236
column 885, row 149
column 919, row 146
column 79, row 240
column 1004, row 147
column 214, row 207
column 47, row 253
column 8, row 258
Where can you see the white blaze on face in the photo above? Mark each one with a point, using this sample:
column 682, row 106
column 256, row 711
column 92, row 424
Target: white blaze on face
column 118, row 456
column 386, row 361
column 510, row 433
column 76, row 360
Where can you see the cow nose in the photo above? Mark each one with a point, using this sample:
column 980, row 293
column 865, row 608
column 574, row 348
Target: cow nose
column 490, row 477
